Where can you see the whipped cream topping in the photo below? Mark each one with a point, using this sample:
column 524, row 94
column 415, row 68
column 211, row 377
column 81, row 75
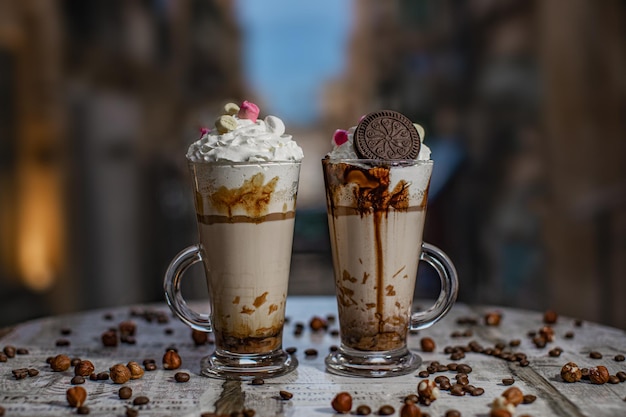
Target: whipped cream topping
column 344, row 149
column 245, row 140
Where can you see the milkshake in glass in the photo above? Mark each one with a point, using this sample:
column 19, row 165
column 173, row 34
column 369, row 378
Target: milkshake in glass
column 245, row 181
column 376, row 200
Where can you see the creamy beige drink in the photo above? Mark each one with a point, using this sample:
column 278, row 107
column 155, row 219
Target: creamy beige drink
column 377, row 178
column 245, row 179
column 376, row 218
column 246, row 218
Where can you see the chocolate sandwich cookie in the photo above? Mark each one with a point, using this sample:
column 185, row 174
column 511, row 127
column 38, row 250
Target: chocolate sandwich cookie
column 386, row 134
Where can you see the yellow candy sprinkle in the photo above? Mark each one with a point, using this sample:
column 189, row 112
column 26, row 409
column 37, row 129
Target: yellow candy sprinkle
column 225, row 124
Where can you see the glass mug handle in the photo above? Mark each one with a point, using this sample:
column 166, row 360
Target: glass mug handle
column 437, row 258
column 171, row 284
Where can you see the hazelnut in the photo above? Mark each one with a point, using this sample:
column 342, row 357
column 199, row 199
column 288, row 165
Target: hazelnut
column 410, row 410
column 570, row 372
column 427, row 391
column 493, row 318
column 342, row 403
column 120, row 374
column 550, row 317
column 76, row 396
column 317, row 323
column 547, row 333
column 60, row 363
column 127, row 328
column 136, row 371
column 514, row 395
column 171, row 360
column 109, row 338
column 427, row 344
column 199, row 338
column 502, row 405
column 84, row 368
column 599, row 375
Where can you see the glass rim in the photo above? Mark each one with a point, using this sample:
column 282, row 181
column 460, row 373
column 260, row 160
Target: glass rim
column 392, row 162
column 224, row 162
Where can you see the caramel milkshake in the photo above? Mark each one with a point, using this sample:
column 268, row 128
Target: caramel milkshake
column 245, row 179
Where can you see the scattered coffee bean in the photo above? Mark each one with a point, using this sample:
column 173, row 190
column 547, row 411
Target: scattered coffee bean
column 20, row 373
column 613, row 379
column 595, row 355
column 334, row 332
column 529, row 399
column 181, row 377
column 83, row 409
column 464, row 368
column 141, row 400
column 33, row 372
column 386, row 410
column 423, row 374
column 413, row 398
column 248, row 412
column 569, row 335
column 452, row 366
column 508, row 381
column 310, row 352
column 62, row 342
column 453, row 413
column 125, row 393
column 93, row 377
column 477, row 392
column 493, row 318
column 317, row 323
column 333, row 348
column 515, row 342
column 168, row 331
column 102, row 376
column 621, row 375
column 619, row 358
column 363, row 410
column 3, row 357
column 151, row 366
column 524, row 363
column 457, row 390
column 132, row 412
column 550, row 317
column 77, row 380
column 21, row 351
column 257, row 381
column 285, row 395
column 291, row 350
column 578, row 323
column 75, row 361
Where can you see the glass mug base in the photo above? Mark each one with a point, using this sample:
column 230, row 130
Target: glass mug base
column 225, row 365
column 350, row 362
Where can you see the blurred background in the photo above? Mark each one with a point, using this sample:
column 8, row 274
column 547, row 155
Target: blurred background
column 524, row 104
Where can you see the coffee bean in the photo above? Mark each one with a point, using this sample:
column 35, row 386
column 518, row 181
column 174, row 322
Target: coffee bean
column 21, row 351
column 168, row 331
column 515, row 342
column 613, row 379
column 132, row 412
column 452, row 366
column 248, row 412
column 456, row 355
column 528, row 399
column 141, row 400
column 150, row 366
column 457, row 390
column 423, row 374
column 621, row 375
column 333, row 348
column 334, row 332
column 9, row 351
column 595, row 355
column 181, row 377
column 83, row 409
column 453, row 413
column 3, row 357
column 478, row 392
column 75, row 361
column 102, row 376
column 125, row 393
column 569, row 335
column 619, row 358
column 508, row 381
column 285, row 395
column 310, row 352
column 77, row 380
column 257, row 381
column 464, row 368
column 555, row 353
column 291, row 350
column 411, row 398
column 62, row 342
column 93, row 377
column 20, row 373
column 33, row 372
column 427, row 344
column 363, row 410
column 524, row 363
column 386, row 410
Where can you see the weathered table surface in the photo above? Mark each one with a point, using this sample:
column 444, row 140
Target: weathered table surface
column 312, row 387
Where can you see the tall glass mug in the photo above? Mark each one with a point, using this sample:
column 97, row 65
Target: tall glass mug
column 245, row 214
column 376, row 212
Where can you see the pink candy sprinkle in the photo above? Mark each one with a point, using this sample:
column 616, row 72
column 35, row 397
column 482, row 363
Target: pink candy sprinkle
column 248, row 110
column 204, row 131
column 340, row 137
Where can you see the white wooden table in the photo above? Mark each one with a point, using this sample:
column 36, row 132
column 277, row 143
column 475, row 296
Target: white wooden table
column 312, row 387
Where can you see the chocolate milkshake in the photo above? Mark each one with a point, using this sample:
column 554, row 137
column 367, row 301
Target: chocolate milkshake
column 377, row 180
column 245, row 179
